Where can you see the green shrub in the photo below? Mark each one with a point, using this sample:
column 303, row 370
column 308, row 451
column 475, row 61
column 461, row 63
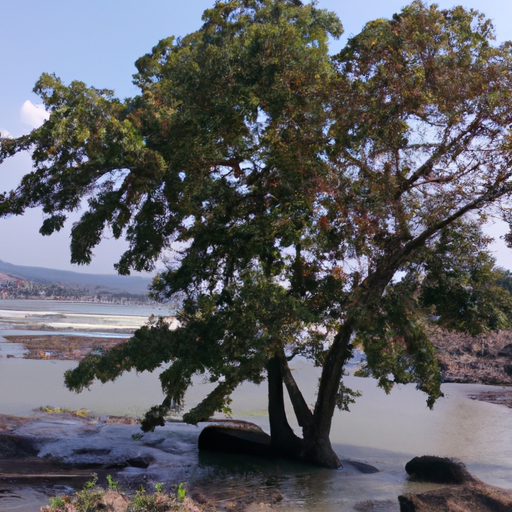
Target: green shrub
column 57, row 503
column 112, row 484
column 181, row 493
column 88, row 499
column 143, row 502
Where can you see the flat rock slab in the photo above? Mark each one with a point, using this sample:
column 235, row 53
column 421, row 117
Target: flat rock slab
column 475, row 497
column 362, row 467
column 35, row 470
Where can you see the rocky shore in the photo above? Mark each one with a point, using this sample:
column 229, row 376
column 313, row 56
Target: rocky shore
column 461, row 491
column 483, row 359
column 52, row 454
column 57, row 454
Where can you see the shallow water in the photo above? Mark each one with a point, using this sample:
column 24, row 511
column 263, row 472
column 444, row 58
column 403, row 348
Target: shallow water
column 384, row 431
column 38, row 306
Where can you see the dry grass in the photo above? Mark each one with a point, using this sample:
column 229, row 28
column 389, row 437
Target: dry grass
column 477, row 359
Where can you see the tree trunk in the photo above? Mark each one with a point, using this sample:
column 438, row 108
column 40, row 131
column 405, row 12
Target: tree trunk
column 318, row 451
column 332, row 373
column 282, row 435
column 315, row 447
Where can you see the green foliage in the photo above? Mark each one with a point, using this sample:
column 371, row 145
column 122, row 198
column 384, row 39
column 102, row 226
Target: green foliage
column 346, row 397
column 181, row 493
column 318, row 202
column 143, row 501
column 464, row 289
column 82, row 413
column 57, row 502
column 396, row 344
column 87, row 499
column 91, row 484
column 504, row 279
column 112, row 484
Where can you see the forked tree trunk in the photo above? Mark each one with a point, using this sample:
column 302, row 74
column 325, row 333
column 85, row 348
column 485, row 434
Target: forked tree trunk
column 315, row 446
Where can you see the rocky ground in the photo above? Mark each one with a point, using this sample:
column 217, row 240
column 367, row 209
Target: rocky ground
column 461, row 491
column 56, row 454
column 483, row 359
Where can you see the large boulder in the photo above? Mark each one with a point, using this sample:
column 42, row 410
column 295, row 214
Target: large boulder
column 439, row 470
column 243, row 438
column 462, row 492
column 246, row 438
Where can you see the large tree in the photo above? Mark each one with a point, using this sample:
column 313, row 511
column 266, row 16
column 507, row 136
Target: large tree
column 306, row 204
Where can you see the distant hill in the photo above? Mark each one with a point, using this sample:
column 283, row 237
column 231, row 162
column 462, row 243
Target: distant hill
column 97, row 283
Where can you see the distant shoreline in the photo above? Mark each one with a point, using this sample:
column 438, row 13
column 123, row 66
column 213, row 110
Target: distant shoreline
column 127, row 302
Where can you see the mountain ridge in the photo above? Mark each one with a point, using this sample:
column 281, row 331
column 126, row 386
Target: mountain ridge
column 107, row 282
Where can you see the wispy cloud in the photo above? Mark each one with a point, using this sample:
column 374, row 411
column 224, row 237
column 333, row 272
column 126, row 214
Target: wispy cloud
column 4, row 133
column 33, row 115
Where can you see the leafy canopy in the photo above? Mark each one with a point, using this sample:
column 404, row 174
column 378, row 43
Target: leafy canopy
column 307, row 204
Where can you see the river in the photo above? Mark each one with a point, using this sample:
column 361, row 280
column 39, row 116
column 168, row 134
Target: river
column 382, row 430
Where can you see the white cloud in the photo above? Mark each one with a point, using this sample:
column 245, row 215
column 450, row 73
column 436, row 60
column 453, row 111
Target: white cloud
column 4, row 134
column 33, row 115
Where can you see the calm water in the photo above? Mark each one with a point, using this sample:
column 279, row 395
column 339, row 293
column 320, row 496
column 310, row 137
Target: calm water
column 385, row 431
column 92, row 308
column 57, row 315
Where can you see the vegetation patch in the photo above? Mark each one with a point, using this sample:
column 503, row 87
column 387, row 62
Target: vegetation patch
column 83, row 413
column 51, row 346
column 92, row 498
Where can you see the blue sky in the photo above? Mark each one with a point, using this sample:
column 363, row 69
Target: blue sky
column 98, row 42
